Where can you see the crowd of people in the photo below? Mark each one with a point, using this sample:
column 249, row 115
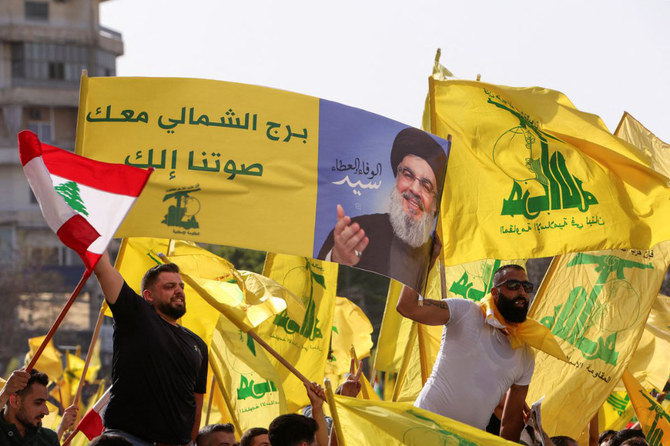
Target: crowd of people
column 159, row 373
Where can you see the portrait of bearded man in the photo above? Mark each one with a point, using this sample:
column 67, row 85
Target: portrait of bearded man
column 397, row 244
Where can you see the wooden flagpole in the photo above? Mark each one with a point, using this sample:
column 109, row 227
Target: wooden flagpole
column 89, row 354
column 59, row 319
column 211, row 398
column 250, row 332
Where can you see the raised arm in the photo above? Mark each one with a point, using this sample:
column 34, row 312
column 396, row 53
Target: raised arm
column 512, row 418
column 316, row 397
column 110, row 279
column 17, row 381
column 432, row 312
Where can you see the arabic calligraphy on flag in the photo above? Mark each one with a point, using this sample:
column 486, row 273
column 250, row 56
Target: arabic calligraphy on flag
column 595, row 304
column 532, row 176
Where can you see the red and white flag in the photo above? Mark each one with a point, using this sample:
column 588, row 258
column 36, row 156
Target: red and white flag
column 91, row 423
column 83, row 201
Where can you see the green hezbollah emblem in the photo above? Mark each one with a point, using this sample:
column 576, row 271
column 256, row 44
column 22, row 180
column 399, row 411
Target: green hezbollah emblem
column 464, row 286
column 618, row 403
column 257, row 391
column 581, row 311
column 541, row 181
column 655, row 434
column 310, row 324
column 182, row 213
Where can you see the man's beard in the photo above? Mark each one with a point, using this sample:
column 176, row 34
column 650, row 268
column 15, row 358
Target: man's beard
column 509, row 311
column 25, row 421
column 169, row 310
column 413, row 232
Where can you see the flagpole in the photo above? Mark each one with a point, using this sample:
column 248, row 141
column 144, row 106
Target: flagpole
column 431, row 102
column 89, row 354
column 70, row 437
column 226, row 397
column 211, row 398
column 548, row 276
column 60, row 398
column 405, row 363
column 422, row 353
column 333, row 412
column 279, row 357
column 59, row 319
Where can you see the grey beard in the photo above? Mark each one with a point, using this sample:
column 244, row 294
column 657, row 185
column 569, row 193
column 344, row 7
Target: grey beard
column 414, row 233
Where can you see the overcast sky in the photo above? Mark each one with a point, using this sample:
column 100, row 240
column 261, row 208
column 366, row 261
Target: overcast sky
column 606, row 56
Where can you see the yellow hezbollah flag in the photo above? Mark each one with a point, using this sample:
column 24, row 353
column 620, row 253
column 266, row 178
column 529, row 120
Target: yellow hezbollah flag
column 532, row 176
column 246, row 298
column 631, row 130
column 596, row 305
column 654, row 420
column 251, row 383
column 49, row 362
column 649, row 364
column 440, row 72
column 73, row 370
column 351, row 327
column 304, row 343
column 75, row 367
column 616, row 412
column 380, row 423
column 393, row 333
column 659, row 318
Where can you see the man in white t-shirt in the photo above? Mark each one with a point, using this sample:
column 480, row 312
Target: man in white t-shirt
column 476, row 364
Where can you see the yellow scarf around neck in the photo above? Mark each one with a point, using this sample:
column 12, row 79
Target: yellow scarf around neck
column 529, row 332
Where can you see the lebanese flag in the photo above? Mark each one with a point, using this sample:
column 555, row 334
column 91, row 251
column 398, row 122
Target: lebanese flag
column 91, row 423
column 83, row 201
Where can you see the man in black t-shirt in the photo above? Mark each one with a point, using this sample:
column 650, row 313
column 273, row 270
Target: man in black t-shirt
column 159, row 368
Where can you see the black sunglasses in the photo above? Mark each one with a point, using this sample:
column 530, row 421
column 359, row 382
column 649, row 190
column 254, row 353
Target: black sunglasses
column 514, row 285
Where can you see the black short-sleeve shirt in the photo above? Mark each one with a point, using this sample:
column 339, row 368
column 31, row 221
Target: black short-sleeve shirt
column 156, row 369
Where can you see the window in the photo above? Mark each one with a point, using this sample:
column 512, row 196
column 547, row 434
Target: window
column 42, row 130
column 6, row 243
column 56, row 70
column 48, row 62
column 37, row 10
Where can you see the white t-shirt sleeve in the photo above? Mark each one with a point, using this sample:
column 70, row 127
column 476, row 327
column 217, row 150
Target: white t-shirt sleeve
column 458, row 308
column 525, row 378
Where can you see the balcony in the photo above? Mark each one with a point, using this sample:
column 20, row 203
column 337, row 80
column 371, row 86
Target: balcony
column 19, row 30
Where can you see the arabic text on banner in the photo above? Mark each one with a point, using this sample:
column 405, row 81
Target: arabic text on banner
column 253, row 167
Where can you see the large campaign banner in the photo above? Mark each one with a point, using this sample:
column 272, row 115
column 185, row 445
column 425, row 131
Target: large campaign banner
column 271, row 170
